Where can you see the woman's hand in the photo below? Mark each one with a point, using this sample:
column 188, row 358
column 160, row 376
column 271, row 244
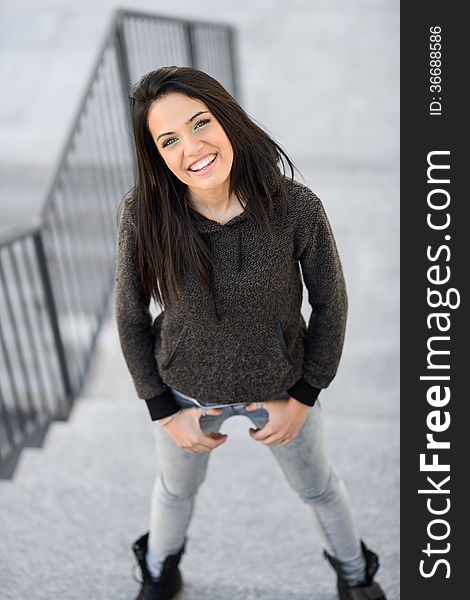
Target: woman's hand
column 286, row 418
column 185, row 429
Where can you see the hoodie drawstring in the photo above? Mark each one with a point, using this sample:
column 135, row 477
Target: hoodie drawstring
column 240, row 248
column 211, row 277
column 211, row 269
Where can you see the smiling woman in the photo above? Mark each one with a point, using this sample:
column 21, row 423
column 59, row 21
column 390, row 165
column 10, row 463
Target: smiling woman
column 231, row 334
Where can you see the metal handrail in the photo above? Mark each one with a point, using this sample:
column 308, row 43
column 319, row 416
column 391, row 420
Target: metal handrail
column 57, row 274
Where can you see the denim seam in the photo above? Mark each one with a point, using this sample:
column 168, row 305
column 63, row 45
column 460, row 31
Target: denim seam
column 317, row 512
column 326, row 532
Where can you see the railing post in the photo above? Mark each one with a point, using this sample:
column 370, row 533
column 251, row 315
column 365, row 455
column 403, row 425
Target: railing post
column 53, row 316
column 123, row 66
column 191, row 45
column 232, row 42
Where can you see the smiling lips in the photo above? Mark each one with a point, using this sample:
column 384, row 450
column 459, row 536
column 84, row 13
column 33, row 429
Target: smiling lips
column 207, row 160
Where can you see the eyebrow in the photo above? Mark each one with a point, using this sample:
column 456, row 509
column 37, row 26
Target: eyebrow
column 201, row 112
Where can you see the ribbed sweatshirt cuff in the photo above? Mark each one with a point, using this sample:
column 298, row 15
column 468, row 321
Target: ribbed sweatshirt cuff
column 162, row 405
column 304, row 392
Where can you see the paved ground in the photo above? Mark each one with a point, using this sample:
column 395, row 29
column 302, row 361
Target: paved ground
column 323, row 79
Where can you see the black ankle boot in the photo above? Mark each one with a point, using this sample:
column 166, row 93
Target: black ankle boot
column 168, row 584
column 368, row 589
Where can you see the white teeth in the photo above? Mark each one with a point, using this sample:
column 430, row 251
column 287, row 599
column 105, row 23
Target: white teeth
column 203, row 163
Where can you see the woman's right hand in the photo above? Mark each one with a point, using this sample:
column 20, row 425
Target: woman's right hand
column 185, row 429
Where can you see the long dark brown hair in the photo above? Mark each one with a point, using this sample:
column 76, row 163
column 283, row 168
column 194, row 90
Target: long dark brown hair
column 166, row 236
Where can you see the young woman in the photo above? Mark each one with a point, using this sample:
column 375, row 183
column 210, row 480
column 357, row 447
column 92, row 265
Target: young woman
column 217, row 236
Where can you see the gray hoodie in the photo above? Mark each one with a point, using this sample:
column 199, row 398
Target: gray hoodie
column 246, row 340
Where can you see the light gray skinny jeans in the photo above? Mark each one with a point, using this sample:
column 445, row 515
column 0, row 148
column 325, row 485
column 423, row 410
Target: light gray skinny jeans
column 304, row 462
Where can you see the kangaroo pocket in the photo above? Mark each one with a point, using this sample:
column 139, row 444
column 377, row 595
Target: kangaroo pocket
column 168, row 348
column 228, row 365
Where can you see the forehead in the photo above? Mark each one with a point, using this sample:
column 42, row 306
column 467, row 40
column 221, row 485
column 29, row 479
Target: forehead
column 172, row 111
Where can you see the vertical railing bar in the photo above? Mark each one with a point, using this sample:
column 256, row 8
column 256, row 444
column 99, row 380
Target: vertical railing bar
column 205, row 43
column 164, row 52
column 209, row 41
column 183, row 46
column 179, row 36
column 215, row 37
column 123, row 63
column 52, row 374
column 190, row 45
column 227, row 67
column 7, row 417
column 145, row 42
column 84, row 235
column 118, row 175
column 154, row 49
column 108, row 138
column 59, row 280
column 212, row 48
column 173, row 34
column 100, row 182
column 96, row 138
column 20, row 321
column 67, row 255
column 53, row 316
column 29, row 329
column 233, row 48
column 126, row 147
column 132, row 56
column 18, row 404
column 221, row 56
column 98, row 118
column 76, row 282
column 112, row 187
column 220, row 45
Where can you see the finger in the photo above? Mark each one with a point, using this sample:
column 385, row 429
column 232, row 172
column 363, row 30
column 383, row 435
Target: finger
column 199, row 448
column 263, row 433
column 271, row 440
column 216, row 435
column 259, row 434
column 212, row 440
column 269, row 437
column 214, row 411
column 251, row 406
column 203, row 448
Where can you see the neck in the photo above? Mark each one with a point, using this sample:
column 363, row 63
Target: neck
column 213, row 201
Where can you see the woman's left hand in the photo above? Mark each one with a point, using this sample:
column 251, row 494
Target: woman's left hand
column 286, row 418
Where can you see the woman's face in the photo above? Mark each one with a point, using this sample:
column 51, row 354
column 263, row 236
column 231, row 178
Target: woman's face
column 188, row 137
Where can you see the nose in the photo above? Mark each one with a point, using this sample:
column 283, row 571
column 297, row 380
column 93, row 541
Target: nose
column 192, row 147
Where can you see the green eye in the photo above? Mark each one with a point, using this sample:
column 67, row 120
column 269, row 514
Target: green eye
column 202, row 122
